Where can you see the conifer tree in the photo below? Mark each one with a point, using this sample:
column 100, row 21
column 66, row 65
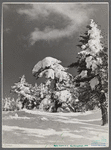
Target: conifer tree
column 56, row 73
column 23, row 90
column 92, row 66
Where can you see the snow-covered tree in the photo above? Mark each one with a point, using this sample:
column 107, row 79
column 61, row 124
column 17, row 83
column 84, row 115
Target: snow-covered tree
column 10, row 104
column 92, row 64
column 23, row 90
column 54, row 72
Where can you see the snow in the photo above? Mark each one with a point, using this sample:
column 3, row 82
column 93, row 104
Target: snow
column 89, row 61
column 55, row 70
column 49, row 61
column 93, row 82
column 46, row 62
column 83, row 73
column 45, row 129
column 63, row 96
column 49, row 73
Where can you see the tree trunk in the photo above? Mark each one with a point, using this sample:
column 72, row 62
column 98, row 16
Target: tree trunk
column 55, row 87
column 104, row 114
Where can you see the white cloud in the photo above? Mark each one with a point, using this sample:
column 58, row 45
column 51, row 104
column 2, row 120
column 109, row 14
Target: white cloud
column 35, row 11
column 74, row 14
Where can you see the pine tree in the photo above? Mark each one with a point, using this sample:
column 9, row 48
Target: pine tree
column 92, row 66
column 56, row 73
column 23, row 90
column 52, row 70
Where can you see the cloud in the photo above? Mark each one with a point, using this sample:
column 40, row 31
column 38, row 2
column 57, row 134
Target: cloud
column 50, row 34
column 75, row 14
column 35, row 11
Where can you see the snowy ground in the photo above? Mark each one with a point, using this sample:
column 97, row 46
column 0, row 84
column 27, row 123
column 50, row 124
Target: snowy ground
column 29, row 128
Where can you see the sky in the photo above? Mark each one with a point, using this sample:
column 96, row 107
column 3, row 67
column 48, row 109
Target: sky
column 34, row 31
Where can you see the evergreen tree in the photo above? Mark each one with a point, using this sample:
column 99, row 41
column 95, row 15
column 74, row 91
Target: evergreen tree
column 92, row 66
column 56, row 73
column 23, row 90
column 52, row 70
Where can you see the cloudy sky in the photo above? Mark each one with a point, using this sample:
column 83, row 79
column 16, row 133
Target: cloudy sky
column 34, row 31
